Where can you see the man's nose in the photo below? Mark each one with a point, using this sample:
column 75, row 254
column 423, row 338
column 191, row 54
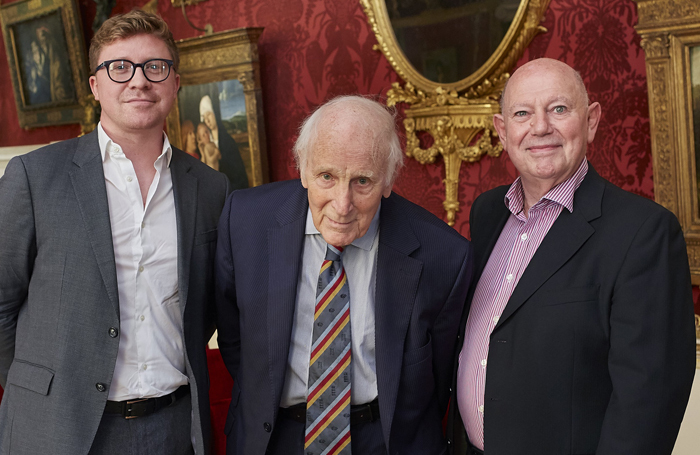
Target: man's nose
column 539, row 124
column 342, row 200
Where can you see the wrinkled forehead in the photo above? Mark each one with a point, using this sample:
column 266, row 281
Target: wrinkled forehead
column 546, row 81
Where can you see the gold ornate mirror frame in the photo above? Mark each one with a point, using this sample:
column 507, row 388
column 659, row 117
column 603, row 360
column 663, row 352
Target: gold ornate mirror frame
column 670, row 30
column 454, row 113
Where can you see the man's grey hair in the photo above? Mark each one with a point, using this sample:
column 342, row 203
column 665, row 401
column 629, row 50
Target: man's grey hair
column 380, row 121
column 579, row 81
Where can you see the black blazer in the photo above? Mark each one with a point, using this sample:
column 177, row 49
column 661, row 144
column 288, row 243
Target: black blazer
column 423, row 272
column 595, row 350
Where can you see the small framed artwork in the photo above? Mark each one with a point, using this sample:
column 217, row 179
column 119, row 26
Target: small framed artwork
column 46, row 55
column 218, row 117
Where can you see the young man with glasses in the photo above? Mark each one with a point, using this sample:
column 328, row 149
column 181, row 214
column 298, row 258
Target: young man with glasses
column 106, row 250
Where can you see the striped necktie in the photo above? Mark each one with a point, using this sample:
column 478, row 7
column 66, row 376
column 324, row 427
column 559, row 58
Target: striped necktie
column 328, row 400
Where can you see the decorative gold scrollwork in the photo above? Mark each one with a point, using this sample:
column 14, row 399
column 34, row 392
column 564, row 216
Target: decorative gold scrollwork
column 458, row 116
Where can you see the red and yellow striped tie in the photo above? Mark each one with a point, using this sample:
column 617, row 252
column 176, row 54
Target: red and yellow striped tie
column 328, row 400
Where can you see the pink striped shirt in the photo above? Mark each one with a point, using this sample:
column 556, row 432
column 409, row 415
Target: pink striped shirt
column 516, row 245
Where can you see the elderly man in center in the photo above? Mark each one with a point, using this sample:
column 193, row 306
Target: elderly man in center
column 338, row 301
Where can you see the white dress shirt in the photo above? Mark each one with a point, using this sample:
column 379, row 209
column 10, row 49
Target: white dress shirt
column 151, row 358
column 360, row 262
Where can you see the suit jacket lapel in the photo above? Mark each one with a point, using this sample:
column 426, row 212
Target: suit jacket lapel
column 185, row 196
column 91, row 193
column 285, row 253
column 568, row 233
column 397, row 283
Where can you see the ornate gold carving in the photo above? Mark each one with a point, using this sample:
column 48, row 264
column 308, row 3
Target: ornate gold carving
column 664, row 10
column 90, row 109
column 656, row 46
column 454, row 114
column 669, row 29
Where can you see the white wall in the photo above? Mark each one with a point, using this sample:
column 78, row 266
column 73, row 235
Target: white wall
column 688, row 442
column 6, row 153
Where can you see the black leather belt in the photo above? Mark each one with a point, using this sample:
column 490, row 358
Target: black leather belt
column 130, row 409
column 360, row 413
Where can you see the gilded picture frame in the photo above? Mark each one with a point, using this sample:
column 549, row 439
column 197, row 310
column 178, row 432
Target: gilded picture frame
column 218, row 116
column 670, row 32
column 47, row 59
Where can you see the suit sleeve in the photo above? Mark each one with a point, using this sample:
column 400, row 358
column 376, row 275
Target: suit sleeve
column 227, row 313
column 17, row 254
column 446, row 329
column 652, row 343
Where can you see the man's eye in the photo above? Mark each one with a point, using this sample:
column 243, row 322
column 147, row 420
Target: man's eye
column 560, row 109
column 520, row 114
column 326, row 176
column 363, row 181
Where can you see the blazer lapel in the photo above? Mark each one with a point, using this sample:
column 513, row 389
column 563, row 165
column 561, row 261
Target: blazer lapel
column 568, row 233
column 285, row 252
column 185, row 196
column 91, row 193
column 397, row 283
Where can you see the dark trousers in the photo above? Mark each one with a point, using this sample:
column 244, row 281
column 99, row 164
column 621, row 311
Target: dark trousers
column 166, row 432
column 288, row 438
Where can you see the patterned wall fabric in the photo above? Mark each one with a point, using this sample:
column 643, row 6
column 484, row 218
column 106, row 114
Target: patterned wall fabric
column 312, row 50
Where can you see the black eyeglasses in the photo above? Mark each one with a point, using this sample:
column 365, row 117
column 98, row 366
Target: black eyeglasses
column 122, row 71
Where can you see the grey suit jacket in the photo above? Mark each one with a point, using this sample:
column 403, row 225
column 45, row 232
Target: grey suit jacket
column 58, row 293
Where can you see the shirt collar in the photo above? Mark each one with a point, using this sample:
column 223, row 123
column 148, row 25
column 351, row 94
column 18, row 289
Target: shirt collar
column 562, row 194
column 365, row 242
column 107, row 146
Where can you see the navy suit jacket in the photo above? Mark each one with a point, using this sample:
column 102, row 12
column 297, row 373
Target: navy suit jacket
column 423, row 274
column 594, row 352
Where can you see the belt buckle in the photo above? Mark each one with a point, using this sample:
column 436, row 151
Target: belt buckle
column 128, row 409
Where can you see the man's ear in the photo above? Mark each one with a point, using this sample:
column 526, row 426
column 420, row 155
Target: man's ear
column 594, row 114
column 500, row 124
column 93, row 87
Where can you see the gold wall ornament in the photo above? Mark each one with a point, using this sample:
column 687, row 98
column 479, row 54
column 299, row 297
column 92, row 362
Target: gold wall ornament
column 454, row 113
column 208, row 29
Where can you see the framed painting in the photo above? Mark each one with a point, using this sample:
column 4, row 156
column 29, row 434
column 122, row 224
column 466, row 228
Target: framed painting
column 46, row 55
column 670, row 32
column 218, row 117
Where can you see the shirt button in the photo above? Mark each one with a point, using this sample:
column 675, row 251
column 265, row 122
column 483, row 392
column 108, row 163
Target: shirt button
column 145, row 367
column 496, row 318
column 142, row 317
column 481, row 408
column 523, row 237
column 100, row 387
column 267, row 427
column 143, row 224
column 113, row 332
column 483, row 362
column 141, row 268
column 129, row 179
column 509, row 277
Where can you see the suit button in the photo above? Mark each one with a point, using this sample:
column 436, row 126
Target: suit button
column 113, row 332
column 267, row 427
column 100, row 387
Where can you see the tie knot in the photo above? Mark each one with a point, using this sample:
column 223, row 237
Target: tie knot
column 333, row 253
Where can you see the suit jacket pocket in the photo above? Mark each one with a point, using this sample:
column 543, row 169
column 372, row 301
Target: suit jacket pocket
column 205, row 237
column 30, row 376
column 416, row 356
column 569, row 295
